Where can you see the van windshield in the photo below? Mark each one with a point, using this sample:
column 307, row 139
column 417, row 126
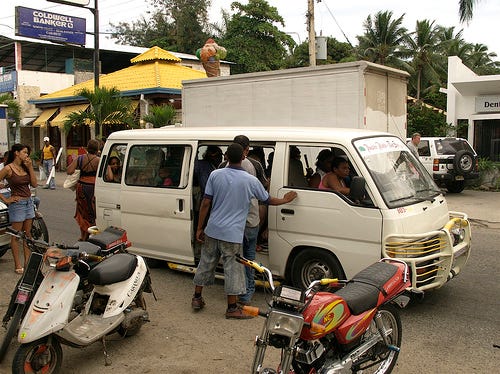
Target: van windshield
column 399, row 176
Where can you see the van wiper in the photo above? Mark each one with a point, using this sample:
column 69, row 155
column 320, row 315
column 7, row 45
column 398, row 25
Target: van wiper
column 403, row 198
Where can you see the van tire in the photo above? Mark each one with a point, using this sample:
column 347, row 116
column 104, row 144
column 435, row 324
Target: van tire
column 463, row 163
column 154, row 263
column 312, row 264
column 455, row 186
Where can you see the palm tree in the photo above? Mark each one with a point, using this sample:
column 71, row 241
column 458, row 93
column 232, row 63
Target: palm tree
column 383, row 40
column 106, row 107
column 422, row 51
column 465, row 9
column 13, row 107
column 160, row 115
column 481, row 61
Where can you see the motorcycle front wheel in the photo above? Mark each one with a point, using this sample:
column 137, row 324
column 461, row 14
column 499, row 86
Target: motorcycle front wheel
column 380, row 359
column 12, row 327
column 38, row 357
column 39, row 230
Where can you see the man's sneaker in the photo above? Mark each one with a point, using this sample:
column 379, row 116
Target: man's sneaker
column 197, row 303
column 237, row 313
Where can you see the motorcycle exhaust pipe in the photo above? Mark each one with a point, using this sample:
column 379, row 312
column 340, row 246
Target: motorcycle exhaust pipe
column 134, row 316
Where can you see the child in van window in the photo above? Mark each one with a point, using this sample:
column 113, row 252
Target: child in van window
column 164, row 174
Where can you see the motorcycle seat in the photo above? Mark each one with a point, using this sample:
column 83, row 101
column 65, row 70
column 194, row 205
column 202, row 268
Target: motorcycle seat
column 87, row 247
column 109, row 238
column 362, row 293
column 114, row 269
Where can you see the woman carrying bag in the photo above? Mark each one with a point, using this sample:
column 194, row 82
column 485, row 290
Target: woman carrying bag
column 85, row 200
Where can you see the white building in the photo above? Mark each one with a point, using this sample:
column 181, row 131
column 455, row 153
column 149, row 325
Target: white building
column 475, row 99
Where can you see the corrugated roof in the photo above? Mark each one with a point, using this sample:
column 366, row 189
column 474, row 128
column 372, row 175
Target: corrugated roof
column 155, row 68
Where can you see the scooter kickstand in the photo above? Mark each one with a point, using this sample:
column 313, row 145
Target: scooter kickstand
column 107, row 359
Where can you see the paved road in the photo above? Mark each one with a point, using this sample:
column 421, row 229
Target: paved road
column 453, row 330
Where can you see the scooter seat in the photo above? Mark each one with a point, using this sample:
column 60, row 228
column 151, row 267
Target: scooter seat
column 87, row 247
column 363, row 291
column 114, row 269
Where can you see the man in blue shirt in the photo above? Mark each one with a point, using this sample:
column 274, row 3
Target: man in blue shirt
column 227, row 197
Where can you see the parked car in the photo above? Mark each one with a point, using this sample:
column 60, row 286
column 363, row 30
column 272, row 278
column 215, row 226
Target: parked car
column 450, row 161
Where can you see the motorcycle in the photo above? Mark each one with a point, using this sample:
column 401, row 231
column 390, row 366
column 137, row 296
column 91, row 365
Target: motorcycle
column 354, row 329
column 104, row 244
column 116, row 304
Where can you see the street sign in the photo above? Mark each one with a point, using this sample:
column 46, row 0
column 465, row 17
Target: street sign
column 58, row 28
column 71, row 2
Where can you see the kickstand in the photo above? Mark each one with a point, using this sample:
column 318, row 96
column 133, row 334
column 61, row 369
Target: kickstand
column 107, row 360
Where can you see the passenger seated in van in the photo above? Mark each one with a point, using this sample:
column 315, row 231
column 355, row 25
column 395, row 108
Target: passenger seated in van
column 323, row 166
column 164, row 174
column 335, row 180
column 114, row 170
column 202, row 168
column 296, row 175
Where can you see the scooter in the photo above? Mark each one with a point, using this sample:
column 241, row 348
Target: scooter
column 354, row 329
column 116, row 304
column 103, row 244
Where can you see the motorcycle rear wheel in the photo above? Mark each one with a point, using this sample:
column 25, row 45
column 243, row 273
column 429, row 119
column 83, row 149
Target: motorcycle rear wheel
column 380, row 359
column 12, row 327
column 139, row 302
column 38, row 357
column 39, row 230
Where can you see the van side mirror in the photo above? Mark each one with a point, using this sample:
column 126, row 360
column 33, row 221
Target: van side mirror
column 358, row 189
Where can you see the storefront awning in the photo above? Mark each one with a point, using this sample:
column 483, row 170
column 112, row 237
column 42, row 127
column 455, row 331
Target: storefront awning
column 65, row 111
column 44, row 117
column 26, row 121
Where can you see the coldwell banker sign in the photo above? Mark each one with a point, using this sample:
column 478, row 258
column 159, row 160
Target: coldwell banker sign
column 55, row 27
column 486, row 104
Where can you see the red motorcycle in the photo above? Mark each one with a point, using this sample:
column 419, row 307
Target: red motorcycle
column 354, row 329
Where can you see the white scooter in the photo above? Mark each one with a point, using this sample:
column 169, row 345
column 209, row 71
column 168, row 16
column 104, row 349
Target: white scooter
column 116, row 304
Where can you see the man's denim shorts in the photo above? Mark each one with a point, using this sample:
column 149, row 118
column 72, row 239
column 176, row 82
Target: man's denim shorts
column 22, row 210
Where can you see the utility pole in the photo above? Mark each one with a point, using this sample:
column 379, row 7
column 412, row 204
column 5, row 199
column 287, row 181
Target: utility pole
column 312, row 33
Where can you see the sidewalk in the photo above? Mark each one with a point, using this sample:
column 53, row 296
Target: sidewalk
column 482, row 207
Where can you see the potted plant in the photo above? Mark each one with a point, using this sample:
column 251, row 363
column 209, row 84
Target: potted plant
column 36, row 157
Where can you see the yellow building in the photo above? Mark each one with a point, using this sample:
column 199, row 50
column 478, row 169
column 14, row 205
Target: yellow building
column 154, row 78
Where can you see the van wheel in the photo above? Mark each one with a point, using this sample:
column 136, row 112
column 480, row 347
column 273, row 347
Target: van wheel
column 154, row 263
column 312, row 264
column 463, row 162
column 455, row 187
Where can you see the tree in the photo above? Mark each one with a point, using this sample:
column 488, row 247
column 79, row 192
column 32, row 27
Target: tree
column 253, row 40
column 161, row 115
column 384, row 40
column 465, row 9
column 421, row 48
column 175, row 25
column 426, row 121
column 336, row 52
column 13, row 107
column 106, row 107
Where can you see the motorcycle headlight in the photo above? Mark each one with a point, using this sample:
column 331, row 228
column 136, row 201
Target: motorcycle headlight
column 284, row 323
column 52, row 256
column 4, row 218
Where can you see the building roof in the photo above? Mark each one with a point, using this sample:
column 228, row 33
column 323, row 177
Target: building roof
column 153, row 71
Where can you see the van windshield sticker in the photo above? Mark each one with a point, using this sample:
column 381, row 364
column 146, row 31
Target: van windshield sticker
column 379, row 145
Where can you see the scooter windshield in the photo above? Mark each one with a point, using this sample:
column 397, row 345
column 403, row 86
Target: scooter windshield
column 401, row 178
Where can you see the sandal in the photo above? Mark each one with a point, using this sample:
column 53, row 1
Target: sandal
column 19, row 270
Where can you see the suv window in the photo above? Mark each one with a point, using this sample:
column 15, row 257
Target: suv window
column 423, row 148
column 450, row 146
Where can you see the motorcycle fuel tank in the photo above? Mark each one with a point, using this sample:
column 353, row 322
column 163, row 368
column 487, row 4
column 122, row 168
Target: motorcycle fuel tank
column 326, row 309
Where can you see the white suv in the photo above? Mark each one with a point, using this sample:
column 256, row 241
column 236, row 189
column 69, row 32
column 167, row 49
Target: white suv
column 450, row 161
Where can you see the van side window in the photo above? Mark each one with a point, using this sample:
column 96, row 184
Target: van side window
column 114, row 163
column 157, row 166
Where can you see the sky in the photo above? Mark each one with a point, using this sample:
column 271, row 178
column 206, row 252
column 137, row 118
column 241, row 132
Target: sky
column 332, row 18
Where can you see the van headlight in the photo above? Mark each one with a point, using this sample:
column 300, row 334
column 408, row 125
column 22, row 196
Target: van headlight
column 458, row 235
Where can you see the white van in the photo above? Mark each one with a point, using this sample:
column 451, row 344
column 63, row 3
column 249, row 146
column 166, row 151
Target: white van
column 402, row 213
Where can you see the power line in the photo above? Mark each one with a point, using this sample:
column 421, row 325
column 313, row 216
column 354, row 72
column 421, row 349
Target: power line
column 342, row 31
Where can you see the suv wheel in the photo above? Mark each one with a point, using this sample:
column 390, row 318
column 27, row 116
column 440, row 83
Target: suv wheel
column 463, row 162
column 455, row 186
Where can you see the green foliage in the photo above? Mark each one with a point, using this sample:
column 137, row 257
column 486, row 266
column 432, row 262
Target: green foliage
column 252, row 39
column 106, row 107
column 36, row 155
column 485, row 164
column 160, row 115
column 336, row 52
column 13, row 107
column 175, row 25
column 426, row 121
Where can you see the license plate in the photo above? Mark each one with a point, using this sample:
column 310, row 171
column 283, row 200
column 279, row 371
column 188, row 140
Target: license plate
column 22, row 297
column 459, row 177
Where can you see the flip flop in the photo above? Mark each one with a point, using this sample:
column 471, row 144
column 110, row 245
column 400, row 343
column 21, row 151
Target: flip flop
column 19, row 270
